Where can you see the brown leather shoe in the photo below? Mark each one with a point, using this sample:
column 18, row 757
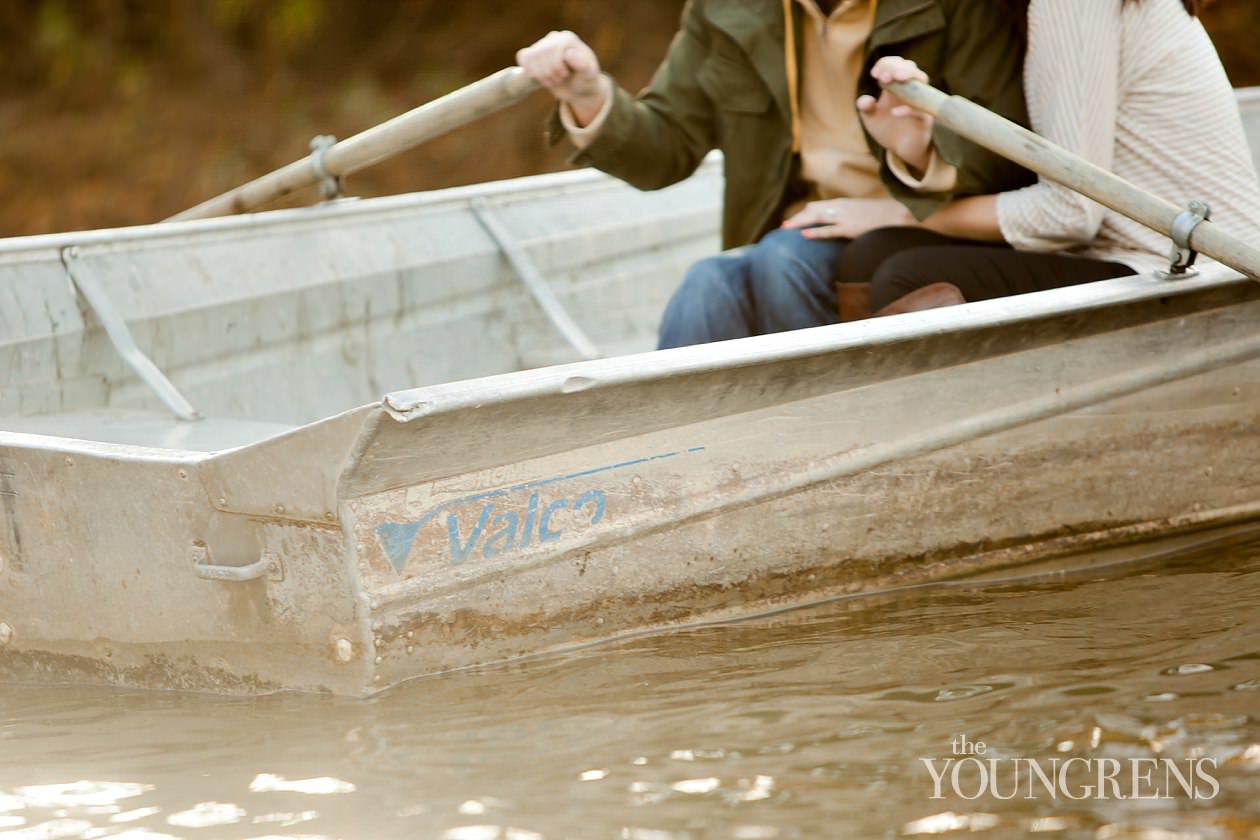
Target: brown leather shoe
column 853, row 301
column 929, row 297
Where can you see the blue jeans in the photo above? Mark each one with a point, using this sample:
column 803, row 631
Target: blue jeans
column 784, row 282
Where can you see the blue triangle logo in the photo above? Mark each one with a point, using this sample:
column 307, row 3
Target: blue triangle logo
column 396, row 539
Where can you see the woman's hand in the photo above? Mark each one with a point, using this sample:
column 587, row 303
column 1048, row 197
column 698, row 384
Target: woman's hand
column 848, row 218
column 899, row 128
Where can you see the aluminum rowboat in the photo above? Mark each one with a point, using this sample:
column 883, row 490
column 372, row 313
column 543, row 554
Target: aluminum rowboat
column 502, row 500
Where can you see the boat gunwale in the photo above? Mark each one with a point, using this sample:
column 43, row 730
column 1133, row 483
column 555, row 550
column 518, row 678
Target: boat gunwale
column 457, row 395
column 325, row 212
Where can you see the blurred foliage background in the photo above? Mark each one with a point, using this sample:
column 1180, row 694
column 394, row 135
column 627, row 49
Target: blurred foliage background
column 117, row 112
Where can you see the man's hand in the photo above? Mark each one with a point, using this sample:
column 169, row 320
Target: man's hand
column 566, row 66
column 849, row 218
column 900, row 129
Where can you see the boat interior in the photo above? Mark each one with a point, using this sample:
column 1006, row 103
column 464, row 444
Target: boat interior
column 213, row 334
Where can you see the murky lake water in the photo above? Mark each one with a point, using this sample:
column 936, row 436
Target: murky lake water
column 830, row 722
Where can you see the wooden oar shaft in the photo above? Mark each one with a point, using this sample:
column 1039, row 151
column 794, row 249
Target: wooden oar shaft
column 1017, row 143
column 483, row 97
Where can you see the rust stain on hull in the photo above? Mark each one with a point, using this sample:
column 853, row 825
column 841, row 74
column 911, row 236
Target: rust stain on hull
column 155, row 671
column 425, row 633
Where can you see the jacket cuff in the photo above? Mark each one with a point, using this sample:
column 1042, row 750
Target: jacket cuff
column 583, row 135
column 615, row 131
column 951, row 149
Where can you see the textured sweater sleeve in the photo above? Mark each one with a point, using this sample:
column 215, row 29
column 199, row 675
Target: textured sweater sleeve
column 1071, row 80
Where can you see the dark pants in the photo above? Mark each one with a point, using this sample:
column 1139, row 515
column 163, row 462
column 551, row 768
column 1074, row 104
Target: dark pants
column 896, row 261
column 784, row 282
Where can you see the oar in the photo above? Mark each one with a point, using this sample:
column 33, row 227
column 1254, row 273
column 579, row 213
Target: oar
column 460, row 107
column 1033, row 151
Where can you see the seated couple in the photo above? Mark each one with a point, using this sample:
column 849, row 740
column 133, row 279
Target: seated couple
column 829, row 180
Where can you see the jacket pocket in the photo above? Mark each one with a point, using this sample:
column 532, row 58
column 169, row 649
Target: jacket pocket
column 733, row 85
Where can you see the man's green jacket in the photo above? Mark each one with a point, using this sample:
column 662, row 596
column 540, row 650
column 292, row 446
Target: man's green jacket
column 723, row 85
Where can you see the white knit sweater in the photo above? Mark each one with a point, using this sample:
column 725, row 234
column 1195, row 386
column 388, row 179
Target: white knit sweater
column 1138, row 89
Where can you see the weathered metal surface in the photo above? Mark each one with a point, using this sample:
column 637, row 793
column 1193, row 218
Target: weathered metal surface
column 100, row 579
column 659, row 497
column 474, row 520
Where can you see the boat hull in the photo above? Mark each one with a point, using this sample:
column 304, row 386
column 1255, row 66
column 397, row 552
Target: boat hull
column 471, row 523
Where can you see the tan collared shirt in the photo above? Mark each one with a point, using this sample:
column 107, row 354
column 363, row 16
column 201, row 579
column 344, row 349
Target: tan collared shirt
column 835, row 159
